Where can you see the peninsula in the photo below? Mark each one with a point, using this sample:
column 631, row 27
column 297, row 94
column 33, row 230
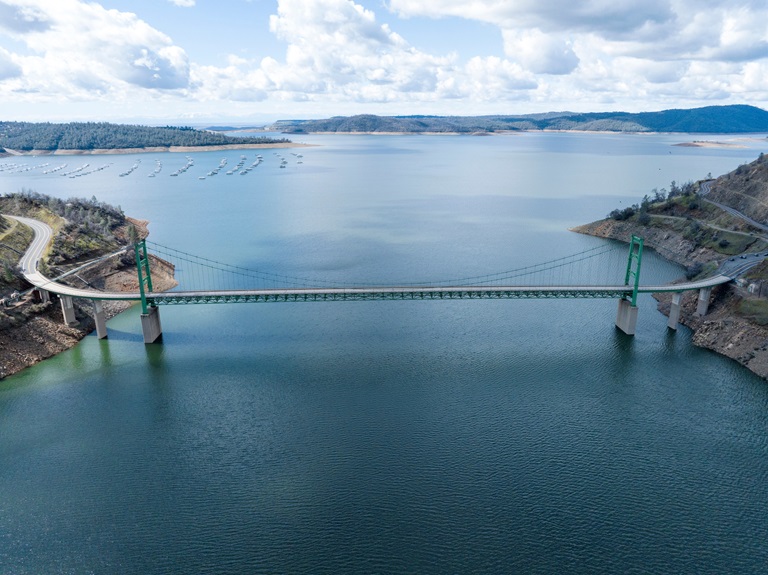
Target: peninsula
column 20, row 138
column 31, row 329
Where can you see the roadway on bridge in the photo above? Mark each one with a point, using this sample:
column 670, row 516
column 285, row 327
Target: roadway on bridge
column 43, row 235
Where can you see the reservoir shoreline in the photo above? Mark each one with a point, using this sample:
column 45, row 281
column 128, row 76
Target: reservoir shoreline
column 44, row 334
column 721, row 330
column 154, row 149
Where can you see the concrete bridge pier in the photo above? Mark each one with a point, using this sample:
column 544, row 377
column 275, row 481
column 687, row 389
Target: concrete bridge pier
column 44, row 295
column 674, row 310
column 150, row 325
column 68, row 310
column 626, row 317
column 100, row 319
column 703, row 304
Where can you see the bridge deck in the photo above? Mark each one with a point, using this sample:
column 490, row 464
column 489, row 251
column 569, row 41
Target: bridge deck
column 43, row 234
column 421, row 292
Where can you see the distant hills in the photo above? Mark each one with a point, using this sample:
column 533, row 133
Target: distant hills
column 85, row 136
column 48, row 137
column 710, row 119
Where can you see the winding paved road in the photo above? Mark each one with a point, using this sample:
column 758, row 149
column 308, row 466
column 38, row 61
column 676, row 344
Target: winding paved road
column 29, row 261
column 706, row 188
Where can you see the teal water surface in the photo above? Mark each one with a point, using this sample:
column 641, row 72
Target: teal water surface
column 388, row 437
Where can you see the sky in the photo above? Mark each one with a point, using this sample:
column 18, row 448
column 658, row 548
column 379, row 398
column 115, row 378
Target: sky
column 253, row 61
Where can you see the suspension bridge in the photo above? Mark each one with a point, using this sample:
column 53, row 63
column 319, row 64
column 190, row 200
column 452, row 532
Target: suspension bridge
column 604, row 271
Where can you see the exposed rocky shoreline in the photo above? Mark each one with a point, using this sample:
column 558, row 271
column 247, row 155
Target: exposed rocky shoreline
column 45, row 334
column 721, row 330
column 39, row 332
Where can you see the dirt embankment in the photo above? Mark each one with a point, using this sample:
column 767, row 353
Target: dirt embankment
column 722, row 330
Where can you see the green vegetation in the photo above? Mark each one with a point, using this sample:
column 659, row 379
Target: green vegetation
column 86, row 228
column 727, row 243
column 660, row 201
column 720, row 119
column 26, row 136
column 755, row 310
column 744, row 189
column 759, row 272
column 683, row 211
column 14, row 239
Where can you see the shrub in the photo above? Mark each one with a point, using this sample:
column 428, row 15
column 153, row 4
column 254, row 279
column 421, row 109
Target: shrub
column 693, row 270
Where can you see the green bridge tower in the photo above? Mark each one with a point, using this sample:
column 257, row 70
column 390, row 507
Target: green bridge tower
column 150, row 314
column 626, row 315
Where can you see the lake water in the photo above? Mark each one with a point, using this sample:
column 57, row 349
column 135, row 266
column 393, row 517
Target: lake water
column 387, row 437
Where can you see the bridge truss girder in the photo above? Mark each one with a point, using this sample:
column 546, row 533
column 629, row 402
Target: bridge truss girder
column 170, row 299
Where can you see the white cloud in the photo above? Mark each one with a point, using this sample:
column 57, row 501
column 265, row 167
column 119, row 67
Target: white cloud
column 22, row 17
column 337, row 51
column 336, row 54
column 77, row 49
column 633, row 51
column 8, row 67
column 653, row 72
column 492, row 78
column 337, row 44
column 743, row 36
column 610, row 17
column 539, row 52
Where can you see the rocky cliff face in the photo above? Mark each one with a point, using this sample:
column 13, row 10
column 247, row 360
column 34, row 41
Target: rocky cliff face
column 669, row 243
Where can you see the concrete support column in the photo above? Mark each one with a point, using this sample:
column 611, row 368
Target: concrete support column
column 100, row 319
column 703, row 305
column 45, row 295
column 674, row 310
column 626, row 317
column 150, row 325
column 68, row 310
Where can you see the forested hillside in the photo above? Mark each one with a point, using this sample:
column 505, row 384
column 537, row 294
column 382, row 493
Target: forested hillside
column 714, row 119
column 91, row 226
column 26, row 136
